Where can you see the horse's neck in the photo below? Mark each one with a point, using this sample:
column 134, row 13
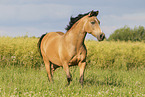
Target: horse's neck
column 76, row 35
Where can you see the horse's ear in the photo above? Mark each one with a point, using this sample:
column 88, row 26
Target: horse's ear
column 97, row 12
column 93, row 13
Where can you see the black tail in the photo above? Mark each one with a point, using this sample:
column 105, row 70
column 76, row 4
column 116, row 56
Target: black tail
column 39, row 44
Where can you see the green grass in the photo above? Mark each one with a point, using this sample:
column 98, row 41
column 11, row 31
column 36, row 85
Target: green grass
column 20, row 81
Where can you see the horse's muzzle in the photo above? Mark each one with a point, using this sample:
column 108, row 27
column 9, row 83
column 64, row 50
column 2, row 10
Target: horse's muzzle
column 102, row 37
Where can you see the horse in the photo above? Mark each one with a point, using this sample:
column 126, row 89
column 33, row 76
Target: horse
column 60, row 49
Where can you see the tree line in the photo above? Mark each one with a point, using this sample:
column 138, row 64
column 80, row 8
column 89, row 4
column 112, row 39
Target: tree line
column 128, row 34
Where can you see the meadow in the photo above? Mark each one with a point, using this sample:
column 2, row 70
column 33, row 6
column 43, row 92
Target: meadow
column 113, row 69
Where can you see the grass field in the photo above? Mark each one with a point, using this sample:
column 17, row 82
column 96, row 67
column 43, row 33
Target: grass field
column 19, row 81
column 113, row 69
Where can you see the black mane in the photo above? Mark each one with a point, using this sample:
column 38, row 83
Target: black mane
column 73, row 20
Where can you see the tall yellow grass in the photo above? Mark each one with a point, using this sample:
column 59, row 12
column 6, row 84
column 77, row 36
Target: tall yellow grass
column 22, row 51
column 117, row 55
column 19, row 51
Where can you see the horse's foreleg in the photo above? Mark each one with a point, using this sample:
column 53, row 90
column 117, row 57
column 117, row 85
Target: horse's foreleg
column 66, row 69
column 82, row 69
column 48, row 69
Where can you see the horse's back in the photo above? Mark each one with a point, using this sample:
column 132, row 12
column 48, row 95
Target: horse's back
column 60, row 33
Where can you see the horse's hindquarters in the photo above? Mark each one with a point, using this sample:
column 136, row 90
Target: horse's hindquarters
column 50, row 47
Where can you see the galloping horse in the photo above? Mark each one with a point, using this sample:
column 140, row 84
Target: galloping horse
column 67, row 49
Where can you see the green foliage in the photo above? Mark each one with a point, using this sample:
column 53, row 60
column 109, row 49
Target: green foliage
column 128, row 34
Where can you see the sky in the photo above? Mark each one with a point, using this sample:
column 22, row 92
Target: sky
column 36, row 17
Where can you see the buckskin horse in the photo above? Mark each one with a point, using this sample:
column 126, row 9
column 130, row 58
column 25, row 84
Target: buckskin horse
column 68, row 49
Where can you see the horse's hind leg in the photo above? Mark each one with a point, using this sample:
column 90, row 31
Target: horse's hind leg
column 53, row 68
column 48, row 69
column 82, row 69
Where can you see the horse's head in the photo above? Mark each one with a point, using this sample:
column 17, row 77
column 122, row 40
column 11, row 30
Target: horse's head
column 92, row 25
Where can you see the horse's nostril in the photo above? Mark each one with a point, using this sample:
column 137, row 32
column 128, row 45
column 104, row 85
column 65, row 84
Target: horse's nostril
column 102, row 36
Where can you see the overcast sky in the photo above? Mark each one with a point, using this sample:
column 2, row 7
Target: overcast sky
column 36, row 17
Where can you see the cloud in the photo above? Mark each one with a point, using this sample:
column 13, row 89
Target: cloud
column 125, row 19
column 35, row 19
column 22, row 31
column 33, row 12
column 138, row 17
column 39, row 16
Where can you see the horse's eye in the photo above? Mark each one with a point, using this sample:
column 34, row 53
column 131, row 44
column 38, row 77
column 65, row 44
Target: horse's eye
column 93, row 22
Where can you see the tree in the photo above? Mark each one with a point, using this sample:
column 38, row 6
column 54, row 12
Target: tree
column 128, row 34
